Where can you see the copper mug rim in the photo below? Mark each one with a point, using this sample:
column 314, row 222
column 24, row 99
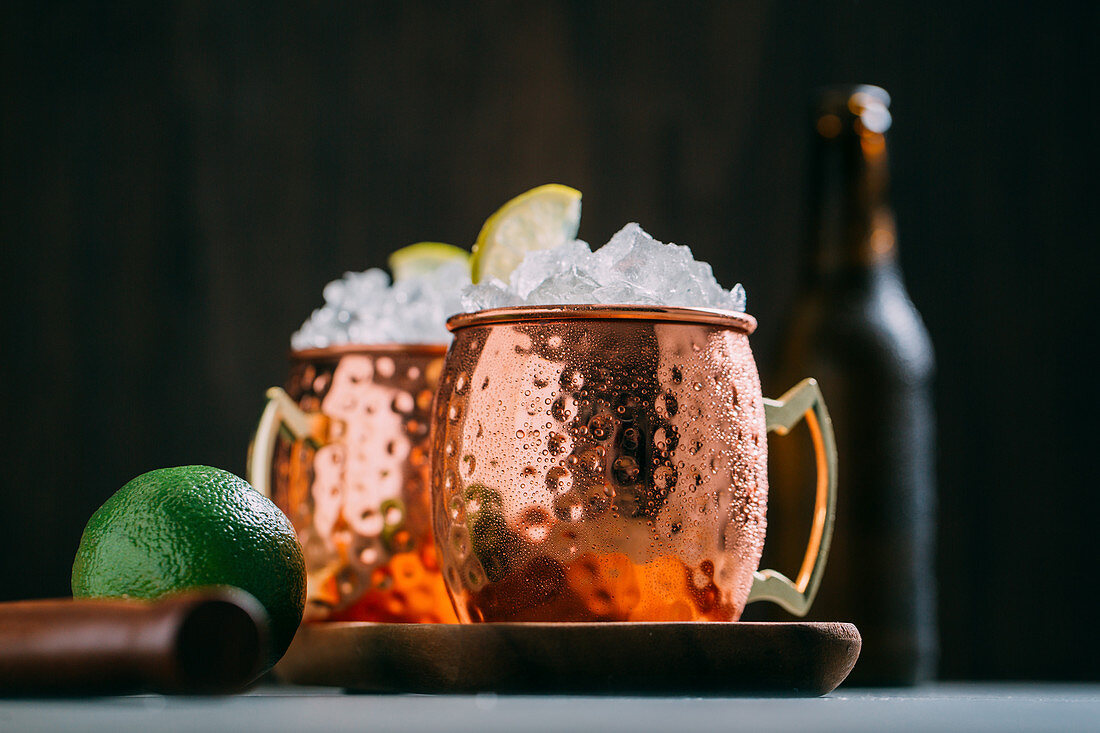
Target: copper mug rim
column 336, row 350
column 742, row 322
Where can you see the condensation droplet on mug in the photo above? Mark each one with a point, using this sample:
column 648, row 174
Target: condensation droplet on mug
column 403, row 403
column 369, row 555
column 394, row 515
column 418, row 456
column 424, row 399
column 660, row 438
column 384, row 366
column 457, row 510
column 460, row 542
column 568, row 508
column 535, row 524
column 558, row 480
column 601, row 426
column 630, row 439
column 590, row 460
column 572, row 379
column 555, row 443
column 666, row 438
column 626, row 470
column 664, row 478
column 670, row 404
column 475, row 577
column 598, row 502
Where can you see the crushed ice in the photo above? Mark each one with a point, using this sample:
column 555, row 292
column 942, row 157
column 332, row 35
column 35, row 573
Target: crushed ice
column 363, row 308
column 632, row 268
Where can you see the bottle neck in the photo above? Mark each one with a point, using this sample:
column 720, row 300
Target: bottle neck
column 852, row 224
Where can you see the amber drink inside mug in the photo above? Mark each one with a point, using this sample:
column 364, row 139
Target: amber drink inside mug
column 609, row 463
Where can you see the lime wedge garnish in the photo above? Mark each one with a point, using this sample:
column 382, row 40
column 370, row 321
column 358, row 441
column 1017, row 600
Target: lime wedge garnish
column 424, row 257
column 542, row 218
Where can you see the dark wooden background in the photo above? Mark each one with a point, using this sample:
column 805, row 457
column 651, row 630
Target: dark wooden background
column 180, row 179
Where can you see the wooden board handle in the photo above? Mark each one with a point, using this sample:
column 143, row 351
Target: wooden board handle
column 205, row 641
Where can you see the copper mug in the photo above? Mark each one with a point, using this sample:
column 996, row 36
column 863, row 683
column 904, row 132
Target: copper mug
column 343, row 451
column 609, row 463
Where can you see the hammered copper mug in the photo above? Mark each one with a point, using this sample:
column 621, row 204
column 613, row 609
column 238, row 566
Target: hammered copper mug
column 343, row 451
column 609, row 463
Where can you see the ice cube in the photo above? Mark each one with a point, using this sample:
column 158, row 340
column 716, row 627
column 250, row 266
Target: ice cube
column 569, row 286
column 334, row 293
column 624, row 293
column 491, row 294
column 638, row 258
column 619, row 246
column 736, row 299
column 544, row 263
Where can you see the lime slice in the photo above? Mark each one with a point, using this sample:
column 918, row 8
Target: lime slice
column 424, row 257
column 542, row 218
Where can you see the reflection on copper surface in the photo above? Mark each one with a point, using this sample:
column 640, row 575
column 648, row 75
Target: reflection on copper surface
column 599, row 463
column 358, row 496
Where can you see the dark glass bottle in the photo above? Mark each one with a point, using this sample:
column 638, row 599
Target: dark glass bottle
column 855, row 329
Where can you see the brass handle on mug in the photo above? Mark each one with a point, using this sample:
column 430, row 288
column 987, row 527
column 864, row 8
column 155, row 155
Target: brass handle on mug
column 804, row 401
column 280, row 413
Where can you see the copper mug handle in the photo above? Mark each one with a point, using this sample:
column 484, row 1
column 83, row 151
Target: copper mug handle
column 280, row 413
column 803, row 401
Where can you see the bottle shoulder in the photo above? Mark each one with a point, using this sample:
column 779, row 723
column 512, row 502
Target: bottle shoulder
column 874, row 327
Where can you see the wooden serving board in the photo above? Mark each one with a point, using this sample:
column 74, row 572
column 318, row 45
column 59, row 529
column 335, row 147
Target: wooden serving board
column 740, row 658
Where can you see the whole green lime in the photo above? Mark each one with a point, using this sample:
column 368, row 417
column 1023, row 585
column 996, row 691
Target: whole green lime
column 178, row 528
